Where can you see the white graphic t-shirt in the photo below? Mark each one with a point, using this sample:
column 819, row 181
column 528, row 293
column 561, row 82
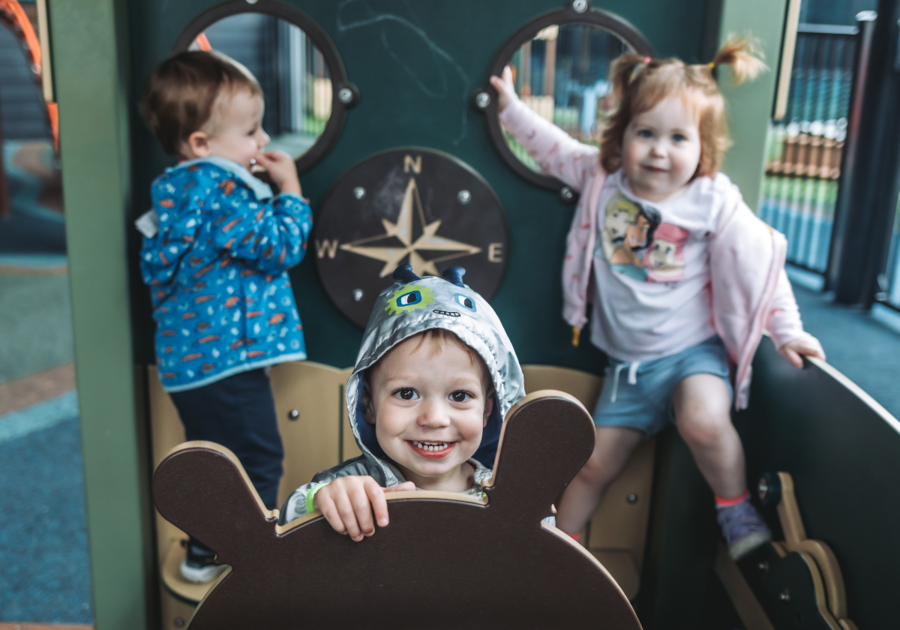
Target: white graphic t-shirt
column 651, row 269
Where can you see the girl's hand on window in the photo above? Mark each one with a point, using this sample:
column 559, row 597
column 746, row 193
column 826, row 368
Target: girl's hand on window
column 506, row 89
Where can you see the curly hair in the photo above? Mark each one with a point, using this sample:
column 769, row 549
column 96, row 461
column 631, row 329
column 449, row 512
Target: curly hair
column 639, row 84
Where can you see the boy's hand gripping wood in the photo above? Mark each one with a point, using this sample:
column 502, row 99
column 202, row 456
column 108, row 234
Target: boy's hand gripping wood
column 445, row 561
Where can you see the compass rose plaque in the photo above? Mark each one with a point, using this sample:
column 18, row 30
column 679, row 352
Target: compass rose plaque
column 414, row 206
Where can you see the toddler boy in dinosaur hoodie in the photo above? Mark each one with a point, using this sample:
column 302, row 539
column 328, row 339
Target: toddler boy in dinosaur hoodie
column 435, row 376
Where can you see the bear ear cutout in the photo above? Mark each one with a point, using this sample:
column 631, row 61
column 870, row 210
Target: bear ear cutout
column 547, row 437
column 201, row 488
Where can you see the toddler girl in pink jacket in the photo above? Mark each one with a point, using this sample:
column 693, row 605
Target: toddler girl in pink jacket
column 682, row 276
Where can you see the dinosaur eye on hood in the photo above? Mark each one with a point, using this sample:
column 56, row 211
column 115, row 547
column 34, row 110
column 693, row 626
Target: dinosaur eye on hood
column 465, row 301
column 409, row 298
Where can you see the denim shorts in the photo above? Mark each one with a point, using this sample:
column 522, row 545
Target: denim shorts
column 638, row 395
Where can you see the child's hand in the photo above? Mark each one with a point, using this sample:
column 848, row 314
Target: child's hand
column 806, row 346
column 281, row 169
column 506, row 89
column 347, row 504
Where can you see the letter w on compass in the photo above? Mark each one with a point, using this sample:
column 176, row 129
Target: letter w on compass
column 402, row 230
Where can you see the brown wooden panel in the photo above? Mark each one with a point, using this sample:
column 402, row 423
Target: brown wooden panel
column 320, row 437
column 476, row 564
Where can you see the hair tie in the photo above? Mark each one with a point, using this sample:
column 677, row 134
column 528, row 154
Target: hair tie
column 637, row 69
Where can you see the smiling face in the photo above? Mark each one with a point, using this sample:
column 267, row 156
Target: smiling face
column 235, row 131
column 636, row 235
column 661, row 149
column 662, row 254
column 619, row 217
column 429, row 400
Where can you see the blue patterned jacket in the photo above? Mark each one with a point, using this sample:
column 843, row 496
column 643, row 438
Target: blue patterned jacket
column 217, row 271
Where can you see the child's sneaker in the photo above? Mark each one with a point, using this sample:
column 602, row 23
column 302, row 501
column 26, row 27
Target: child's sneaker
column 199, row 565
column 743, row 528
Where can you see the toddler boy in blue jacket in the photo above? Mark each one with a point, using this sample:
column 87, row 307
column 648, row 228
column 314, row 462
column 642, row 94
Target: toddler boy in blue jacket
column 217, row 265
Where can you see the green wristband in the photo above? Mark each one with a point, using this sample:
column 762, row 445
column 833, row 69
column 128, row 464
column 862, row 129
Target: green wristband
column 311, row 496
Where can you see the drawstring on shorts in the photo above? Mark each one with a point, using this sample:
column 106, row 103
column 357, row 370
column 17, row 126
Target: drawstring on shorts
column 632, row 376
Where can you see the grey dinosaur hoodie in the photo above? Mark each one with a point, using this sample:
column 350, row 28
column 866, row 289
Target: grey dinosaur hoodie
column 410, row 306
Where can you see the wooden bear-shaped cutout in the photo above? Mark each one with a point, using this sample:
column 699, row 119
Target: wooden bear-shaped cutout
column 801, row 577
column 445, row 561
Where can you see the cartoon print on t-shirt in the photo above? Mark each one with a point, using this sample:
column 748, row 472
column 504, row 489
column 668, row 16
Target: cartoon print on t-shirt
column 665, row 258
column 627, row 229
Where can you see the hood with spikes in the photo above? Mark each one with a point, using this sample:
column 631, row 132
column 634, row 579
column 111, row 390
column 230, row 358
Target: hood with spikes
column 412, row 305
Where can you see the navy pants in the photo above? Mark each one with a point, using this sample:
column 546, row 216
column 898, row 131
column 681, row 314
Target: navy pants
column 238, row 412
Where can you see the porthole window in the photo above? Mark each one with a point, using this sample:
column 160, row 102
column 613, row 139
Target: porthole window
column 560, row 64
column 297, row 66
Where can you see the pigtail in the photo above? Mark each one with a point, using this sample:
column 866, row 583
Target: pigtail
column 639, row 83
column 625, row 69
column 742, row 54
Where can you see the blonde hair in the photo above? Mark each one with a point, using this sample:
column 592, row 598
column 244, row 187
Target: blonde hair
column 640, row 83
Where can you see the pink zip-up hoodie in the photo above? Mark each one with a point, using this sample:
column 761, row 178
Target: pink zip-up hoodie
column 750, row 290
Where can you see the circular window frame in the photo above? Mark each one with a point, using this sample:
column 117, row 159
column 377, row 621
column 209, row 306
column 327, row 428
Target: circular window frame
column 568, row 15
column 341, row 88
